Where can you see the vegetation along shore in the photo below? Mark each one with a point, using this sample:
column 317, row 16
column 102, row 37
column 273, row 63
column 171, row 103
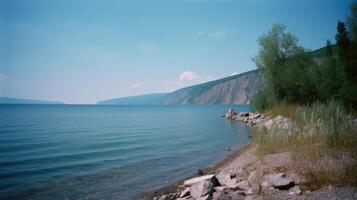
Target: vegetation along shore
column 304, row 128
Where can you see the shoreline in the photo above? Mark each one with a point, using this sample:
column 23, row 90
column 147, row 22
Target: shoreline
column 245, row 174
column 211, row 169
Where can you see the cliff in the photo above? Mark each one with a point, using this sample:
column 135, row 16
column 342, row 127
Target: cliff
column 238, row 89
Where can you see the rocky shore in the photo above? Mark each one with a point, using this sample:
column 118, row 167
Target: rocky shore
column 248, row 176
column 259, row 120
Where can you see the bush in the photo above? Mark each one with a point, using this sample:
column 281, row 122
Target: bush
column 322, row 140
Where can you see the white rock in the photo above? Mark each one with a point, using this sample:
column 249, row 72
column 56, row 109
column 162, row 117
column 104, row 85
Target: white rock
column 254, row 177
column 225, row 178
column 281, row 181
column 295, row 190
column 243, row 185
column 268, row 124
column 253, row 190
column 206, row 197
column 185, row 192
column 220, row 188
column 201, row 189
column 199, row 179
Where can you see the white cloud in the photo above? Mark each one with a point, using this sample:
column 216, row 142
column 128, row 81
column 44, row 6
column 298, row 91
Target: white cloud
column 185, row 79
column 137, row 85
column 188, row 76
column 234, row 73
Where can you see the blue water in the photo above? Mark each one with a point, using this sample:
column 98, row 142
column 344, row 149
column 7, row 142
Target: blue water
column 108, row 152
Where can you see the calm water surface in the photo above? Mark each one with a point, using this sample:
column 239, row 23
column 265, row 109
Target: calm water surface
column 108, row 152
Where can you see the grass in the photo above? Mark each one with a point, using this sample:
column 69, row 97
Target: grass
column 323, row 141
column 286, row 110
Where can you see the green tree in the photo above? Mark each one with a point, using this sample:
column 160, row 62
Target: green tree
column 328, row 77
column 351, row 63
column 346, row 42
column 343, row 42
column 285, row 65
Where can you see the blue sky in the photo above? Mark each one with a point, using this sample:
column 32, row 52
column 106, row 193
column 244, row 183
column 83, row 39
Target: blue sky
column 85, row 51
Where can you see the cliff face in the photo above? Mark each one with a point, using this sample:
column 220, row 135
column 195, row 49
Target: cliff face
column 238, row 89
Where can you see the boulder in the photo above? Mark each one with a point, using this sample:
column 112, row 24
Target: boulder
column 206, row 197
column 194, row 180
column 229, row 195
column 220, row 188
column 242, row 172
column 280, row 181
column 298, row 179
column 226, row 178
column 295, row 190
column 254, row 177
column 268, row 124
column 163, row 197
column 232, row 111
column 201, row 189
column 256, row 116
column 185, row 192
column 253, row 190
column 266, row 186
column 231, row 114
column 243, row 185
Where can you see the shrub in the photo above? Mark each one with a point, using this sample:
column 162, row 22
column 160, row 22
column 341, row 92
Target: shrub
column 322, row 140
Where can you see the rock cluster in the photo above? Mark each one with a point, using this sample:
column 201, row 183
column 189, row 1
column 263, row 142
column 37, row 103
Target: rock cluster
column 259, row 120
column 225, row 184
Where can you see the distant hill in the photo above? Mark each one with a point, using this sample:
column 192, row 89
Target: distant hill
column 7, row 100
column 147, row 99
column 321, row 52
column 237, row 89
column 319, row 55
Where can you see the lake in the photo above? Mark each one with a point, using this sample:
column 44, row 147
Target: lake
column 108, row 152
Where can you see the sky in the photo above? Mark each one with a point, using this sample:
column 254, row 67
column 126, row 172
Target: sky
column 80, row 52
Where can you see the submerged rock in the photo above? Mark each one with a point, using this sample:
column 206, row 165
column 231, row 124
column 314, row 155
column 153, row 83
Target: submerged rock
column 231, row 114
